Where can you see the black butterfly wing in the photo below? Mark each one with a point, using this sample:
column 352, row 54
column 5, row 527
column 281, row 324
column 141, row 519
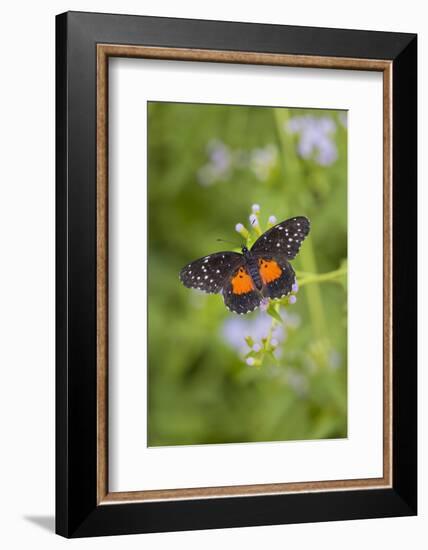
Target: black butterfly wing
column 239, row 293
column 241, row 303
column 212, row 272
column 280, row 283
column 284, row 238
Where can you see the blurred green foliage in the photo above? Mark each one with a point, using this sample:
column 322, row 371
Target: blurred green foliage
column 207, row 164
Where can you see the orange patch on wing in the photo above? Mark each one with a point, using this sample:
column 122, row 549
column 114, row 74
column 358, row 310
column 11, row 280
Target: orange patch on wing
column 269, row 271
column 242, row 282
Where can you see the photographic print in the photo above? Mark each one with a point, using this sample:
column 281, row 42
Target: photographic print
column 234, row 248
column 247, row 274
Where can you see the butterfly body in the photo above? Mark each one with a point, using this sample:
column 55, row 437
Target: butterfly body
column 252, row 265
column 261, row 272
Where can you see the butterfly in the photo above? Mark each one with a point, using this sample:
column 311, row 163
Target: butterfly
column 262, row 272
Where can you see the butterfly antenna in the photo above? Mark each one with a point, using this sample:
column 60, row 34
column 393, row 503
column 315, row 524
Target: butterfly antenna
column 229, row 242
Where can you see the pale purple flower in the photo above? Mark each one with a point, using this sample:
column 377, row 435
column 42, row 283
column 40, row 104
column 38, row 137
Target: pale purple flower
column 242, row 230
column 219, row 155
column 235, row 330
column 263, row 160
column 272, row 220
column 250, row 361
column 222, row 161
column 292, row 299
column 219, row 164
column 295, row 125
column 295, row 287
column 315, row 138
column 264, row 304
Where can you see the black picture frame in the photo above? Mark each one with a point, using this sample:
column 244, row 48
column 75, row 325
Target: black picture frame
column 78, row 513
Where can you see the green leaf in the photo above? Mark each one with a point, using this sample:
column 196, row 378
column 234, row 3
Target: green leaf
column 250, row 341
column 273, row 313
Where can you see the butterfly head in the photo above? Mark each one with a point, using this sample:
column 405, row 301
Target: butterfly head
column 245, row 251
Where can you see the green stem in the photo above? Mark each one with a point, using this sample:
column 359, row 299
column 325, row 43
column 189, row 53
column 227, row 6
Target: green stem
column 307, row 278
column 290, row 167
column 316, row 309
column 307, row 256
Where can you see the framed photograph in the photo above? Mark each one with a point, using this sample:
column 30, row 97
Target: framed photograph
column 236, row 274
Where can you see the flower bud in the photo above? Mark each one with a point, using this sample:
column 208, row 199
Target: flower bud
column 240, row 228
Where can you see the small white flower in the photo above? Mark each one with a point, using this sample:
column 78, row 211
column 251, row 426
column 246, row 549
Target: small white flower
column 272, row 220
column 292, row 299
column 264, row 304
column 263, row 160
column 239, row 227
column 254, row 220
column 257, row 347
column 255, row 208
column 250, row 361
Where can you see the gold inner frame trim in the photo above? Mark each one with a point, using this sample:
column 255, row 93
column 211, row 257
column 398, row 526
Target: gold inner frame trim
column 104, row 51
